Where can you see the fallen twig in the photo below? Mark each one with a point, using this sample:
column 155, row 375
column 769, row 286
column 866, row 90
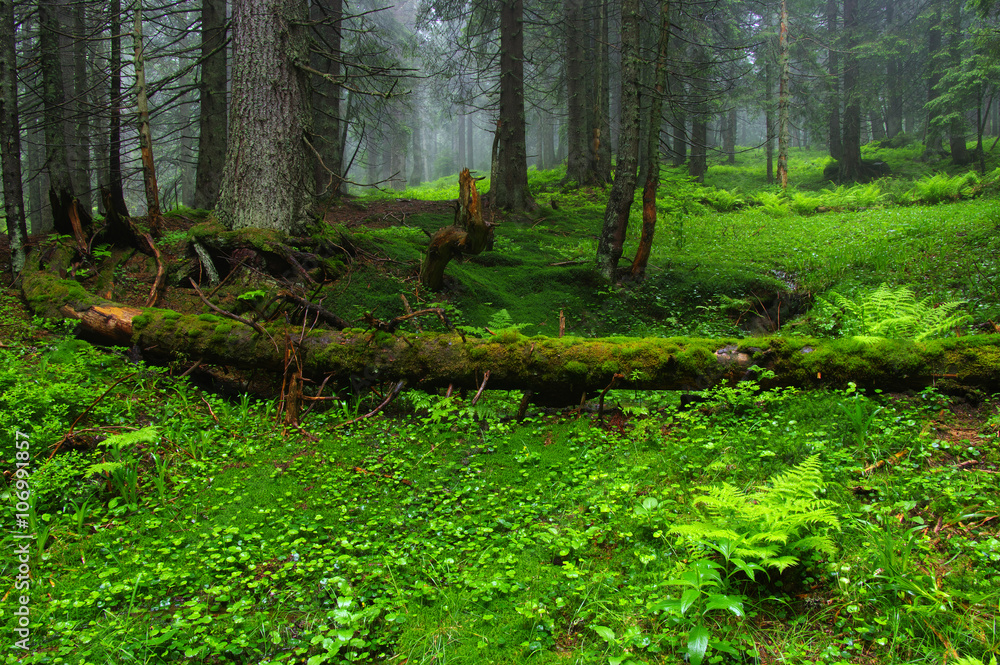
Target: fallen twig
column 486, row 377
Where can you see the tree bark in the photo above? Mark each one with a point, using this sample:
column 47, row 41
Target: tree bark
column 833, row 78
column 698, row 164
column 79, row 127
column 960, row 154
column 115, row 186
column 933, row 138
column 894, row 108
column 509, row 181
column 470, row 234
column 213, row 106
column 68, row 217
column 769, row 121
column 783, row 97
column 268, row 172
column 850, row 162
column 616, row 213
column 577, row 101
column 10, row 141
column 469, row 126
column 642, row 253
column 417, row 172
column 152, row 191
column 729, row 137
column 601, row 132
column 556, row 370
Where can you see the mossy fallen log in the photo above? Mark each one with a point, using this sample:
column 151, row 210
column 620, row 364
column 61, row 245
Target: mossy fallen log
column 556, row 370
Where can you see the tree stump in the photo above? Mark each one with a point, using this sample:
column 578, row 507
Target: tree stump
column 468, row 235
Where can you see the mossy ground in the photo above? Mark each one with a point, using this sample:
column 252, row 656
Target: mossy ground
column 442, row 531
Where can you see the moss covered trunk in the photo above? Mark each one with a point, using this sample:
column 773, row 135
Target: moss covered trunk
column 556, row 370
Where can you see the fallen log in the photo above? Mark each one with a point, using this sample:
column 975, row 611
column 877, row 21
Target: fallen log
column 555, row 370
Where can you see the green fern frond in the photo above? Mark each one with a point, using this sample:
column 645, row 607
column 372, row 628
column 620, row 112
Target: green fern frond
column 105, row 467
column 895, row 313
column 771, row 524
column 145, row 435
column 783, row 562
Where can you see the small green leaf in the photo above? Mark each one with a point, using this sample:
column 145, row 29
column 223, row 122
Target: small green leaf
column 688, row 599
column 697, row 644
column 718, row 601
column 606, row 633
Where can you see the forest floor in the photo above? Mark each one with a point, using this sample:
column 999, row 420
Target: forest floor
column 175, row 522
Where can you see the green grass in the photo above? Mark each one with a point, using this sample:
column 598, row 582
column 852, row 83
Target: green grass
column 442, row 531
column 734, row 240
column 449, row 533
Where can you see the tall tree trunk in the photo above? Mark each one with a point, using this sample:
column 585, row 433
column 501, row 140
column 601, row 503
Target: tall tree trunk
column 601, row 139
column 577, row 102
column 39, row 214
column 680, row 142
column 115, row 186
column 833, row 80
column 460, row 135
column 10, row 141
column 327, row 124
column 509, row 183
column 652, row 183
column 783, row 97
column 698, row 165
column 268, row 173
column 769, row 111
column 956, row 127
column 933, row 138
column 152, row 191
column 68, row 216
column 80, row 127
column 469, row 126
column 894, row 108
column 877, row 124
column 547, row 127
column 729, row 136
column 212, row 118
column 850, row 162
column 612, row 240
column 417, row 173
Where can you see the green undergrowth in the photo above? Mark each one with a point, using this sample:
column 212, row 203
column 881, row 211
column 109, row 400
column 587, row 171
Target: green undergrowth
column 175, row 525
column 731, row 258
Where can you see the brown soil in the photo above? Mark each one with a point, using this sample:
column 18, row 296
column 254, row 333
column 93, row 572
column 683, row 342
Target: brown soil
column 380, row 214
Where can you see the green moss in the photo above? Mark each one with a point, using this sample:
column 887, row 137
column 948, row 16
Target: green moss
column 576, row 368
column 170, row 315
column 209, row 318
column 609, row 367
column 146, row 318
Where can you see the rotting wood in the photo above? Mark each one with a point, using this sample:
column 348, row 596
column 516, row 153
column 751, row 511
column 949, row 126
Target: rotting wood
column 469, row 234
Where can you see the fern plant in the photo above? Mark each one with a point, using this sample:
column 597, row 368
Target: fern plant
column 895, row 313
column 773, row 525
column 942, row 187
